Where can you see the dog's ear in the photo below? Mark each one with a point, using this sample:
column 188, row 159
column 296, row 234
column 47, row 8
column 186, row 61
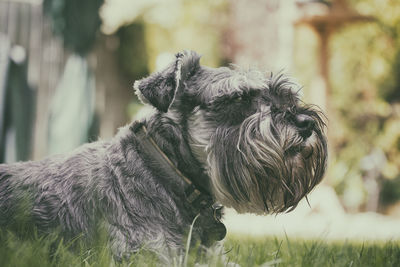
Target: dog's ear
column 162, row 88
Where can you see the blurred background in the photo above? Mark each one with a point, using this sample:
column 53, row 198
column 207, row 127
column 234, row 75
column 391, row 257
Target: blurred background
column 67, row 69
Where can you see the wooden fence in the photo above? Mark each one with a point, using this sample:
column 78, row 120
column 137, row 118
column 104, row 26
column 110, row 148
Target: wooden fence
column 24, row 23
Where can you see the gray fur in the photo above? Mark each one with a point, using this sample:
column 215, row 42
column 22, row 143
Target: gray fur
column 240, row 132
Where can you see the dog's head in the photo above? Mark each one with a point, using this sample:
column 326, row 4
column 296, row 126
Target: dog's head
column 263, row 147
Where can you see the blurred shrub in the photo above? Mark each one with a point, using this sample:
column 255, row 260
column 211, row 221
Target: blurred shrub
column 132, row 51
column 76, row 21
column 365, row 81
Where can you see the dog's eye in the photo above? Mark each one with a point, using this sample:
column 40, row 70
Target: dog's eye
column 237, row 99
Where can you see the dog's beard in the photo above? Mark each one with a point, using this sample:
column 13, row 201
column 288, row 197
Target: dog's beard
column 264, row 166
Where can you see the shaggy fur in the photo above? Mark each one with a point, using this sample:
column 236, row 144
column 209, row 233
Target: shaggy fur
column 243, row 135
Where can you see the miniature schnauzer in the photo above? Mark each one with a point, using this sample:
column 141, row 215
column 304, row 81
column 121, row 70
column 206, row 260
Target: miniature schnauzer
column 237, row 137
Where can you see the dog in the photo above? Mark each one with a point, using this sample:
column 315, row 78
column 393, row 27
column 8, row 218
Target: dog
column 218, row 137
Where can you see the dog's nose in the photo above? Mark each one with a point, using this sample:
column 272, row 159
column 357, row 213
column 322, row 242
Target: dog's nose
column 305, row 124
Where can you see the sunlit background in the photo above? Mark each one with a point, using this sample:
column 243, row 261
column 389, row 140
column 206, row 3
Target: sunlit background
column 67, row 68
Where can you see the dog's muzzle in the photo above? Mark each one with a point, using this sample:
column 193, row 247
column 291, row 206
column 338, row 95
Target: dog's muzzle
column 305, row 125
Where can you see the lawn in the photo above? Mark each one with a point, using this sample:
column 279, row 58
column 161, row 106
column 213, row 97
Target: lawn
column 268, row 251
column 288, row 252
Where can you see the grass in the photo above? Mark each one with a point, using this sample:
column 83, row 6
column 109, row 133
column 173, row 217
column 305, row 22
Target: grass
column 245, row 251
column 287, row 252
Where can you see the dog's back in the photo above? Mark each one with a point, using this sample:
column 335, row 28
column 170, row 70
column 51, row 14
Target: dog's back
column 56, row 191
column 101, row 184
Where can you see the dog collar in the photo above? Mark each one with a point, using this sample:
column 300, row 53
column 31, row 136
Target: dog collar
column 197, row 196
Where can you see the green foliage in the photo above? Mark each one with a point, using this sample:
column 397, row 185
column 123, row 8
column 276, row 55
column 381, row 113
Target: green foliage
column 132, row 51
column 390, row 192
column 76, row 21
column 364, row 100
column 391, row 87
column 194, row 25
